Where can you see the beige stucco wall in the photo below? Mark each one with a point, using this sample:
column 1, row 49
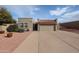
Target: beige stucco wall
column 4, row 27
column 28, row 21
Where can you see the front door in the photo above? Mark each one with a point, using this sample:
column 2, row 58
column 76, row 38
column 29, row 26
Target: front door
column 35, row 27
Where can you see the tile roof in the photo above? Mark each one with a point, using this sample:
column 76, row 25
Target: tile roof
column 47, row 22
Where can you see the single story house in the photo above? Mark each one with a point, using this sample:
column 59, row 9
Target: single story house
column 46, row 25
column 40, row 25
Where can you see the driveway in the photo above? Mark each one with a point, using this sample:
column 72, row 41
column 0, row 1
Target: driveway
column 49, row 42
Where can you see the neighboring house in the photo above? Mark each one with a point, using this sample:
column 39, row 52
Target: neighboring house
column 25, row 23
column 46, row 25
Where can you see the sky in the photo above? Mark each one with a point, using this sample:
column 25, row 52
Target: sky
column 64, row 13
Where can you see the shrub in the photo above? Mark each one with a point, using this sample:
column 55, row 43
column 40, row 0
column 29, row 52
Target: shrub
column 27, row 29
column 9, row 34
column 12, row 28
column 20, row 30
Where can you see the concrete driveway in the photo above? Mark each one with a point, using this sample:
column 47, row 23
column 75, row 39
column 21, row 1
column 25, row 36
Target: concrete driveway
column 50, row 42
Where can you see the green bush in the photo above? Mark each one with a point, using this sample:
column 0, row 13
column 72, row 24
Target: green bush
column 20, row 30
column 15, row 28
column 12, row 28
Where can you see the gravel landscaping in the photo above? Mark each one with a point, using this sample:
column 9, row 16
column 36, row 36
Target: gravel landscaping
column 9, row 44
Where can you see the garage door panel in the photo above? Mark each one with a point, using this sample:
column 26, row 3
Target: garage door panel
column 46, row 28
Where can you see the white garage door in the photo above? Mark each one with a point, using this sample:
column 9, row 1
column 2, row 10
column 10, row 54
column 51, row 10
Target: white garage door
column 46, row 28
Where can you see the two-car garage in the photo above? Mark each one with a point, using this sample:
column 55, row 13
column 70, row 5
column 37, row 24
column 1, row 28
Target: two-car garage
column 47, row 25
column 46, row 28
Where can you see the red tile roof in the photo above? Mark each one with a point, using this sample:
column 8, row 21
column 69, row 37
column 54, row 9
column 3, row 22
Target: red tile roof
column 47, row 22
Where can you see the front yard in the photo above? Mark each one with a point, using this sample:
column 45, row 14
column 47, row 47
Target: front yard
column 9, row 44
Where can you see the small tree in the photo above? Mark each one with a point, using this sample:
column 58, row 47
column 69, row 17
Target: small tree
column 6, row 16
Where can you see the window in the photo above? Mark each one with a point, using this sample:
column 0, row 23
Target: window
column 26, row 25
column 21, row 25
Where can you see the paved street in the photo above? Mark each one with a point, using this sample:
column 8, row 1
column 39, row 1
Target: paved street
column 50, row 41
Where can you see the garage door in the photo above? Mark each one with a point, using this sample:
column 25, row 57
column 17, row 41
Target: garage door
column 46, row 28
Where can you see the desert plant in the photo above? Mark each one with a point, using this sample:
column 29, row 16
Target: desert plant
column 12, row 28
column 20, row 30
column 15, row 28
column 9, row 34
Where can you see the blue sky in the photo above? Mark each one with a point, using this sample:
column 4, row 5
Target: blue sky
column 64, row 13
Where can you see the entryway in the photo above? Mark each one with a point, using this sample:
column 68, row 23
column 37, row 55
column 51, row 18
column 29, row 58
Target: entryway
column 35, row 27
